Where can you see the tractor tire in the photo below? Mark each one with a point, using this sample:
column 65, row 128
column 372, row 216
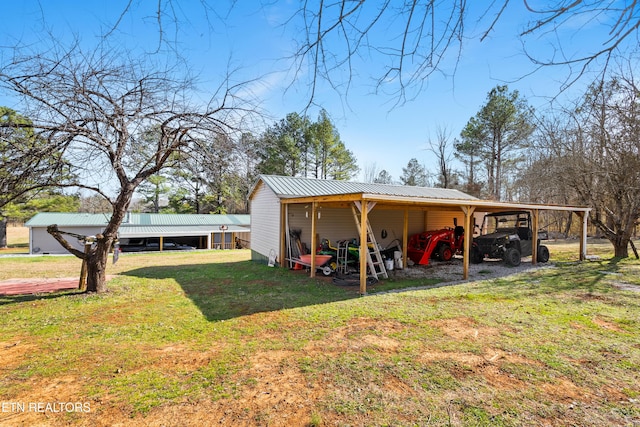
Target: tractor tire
column 512, row 257
column 543, row 254
column 476, row 256
column 445, row 253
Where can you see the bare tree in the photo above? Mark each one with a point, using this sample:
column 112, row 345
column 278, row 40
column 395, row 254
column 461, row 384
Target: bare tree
column 427, row 37
column 246, row 170
column 541, row 179
column 598, row 156
column 407, row 42
column 370, row 172
column 94, row 108
column 443, row 152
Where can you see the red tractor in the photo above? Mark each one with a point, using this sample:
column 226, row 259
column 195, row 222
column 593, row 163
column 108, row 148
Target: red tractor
column 435, row 244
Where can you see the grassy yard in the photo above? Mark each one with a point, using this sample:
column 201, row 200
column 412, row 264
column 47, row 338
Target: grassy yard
column 212, row 338
column 17, row 240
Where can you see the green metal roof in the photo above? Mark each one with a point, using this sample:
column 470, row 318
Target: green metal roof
column 185, row 219
column 44, row 219
column 287, row 186
column 167, row 230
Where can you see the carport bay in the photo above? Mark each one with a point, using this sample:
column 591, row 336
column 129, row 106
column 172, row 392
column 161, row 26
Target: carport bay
column 334, row 210
column 396, row 218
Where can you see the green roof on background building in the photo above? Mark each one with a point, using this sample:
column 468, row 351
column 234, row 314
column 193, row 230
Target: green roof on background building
column 44, row 219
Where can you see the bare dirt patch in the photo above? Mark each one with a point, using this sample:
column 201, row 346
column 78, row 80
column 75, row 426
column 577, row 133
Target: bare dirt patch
column 181, row 358
column 603, row 323
column 12, row 353
column 272, row 391
column 463, row 328
column 359, row 333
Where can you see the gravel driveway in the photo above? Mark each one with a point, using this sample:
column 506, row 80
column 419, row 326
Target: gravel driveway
column 451, row 271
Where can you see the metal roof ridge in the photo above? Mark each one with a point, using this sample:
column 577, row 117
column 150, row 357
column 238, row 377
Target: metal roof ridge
column 278, row 184
column 135, row 219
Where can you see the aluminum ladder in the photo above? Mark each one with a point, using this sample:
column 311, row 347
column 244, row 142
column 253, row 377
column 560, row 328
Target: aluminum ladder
column 376, row 266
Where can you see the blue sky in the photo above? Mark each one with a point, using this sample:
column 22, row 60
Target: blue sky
column 254, row 39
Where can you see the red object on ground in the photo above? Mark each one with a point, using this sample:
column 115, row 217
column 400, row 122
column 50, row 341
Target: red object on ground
column 439, row 244
column 35, row 286
column 306, row 259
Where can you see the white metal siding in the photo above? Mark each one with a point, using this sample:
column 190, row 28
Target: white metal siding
column 333, row 224
column 338, row 224
column 43, row 243
column 265, row 221
column 392, row 222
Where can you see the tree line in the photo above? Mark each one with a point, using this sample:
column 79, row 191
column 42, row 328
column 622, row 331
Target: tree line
column 583, row 154
column 487, row 156
column 586, row 153
column 218, row 179
column 212, row 174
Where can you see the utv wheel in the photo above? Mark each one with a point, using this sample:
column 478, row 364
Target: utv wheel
column 512, row 257
column 476, row 256
column 445, row 253
column 543, row 254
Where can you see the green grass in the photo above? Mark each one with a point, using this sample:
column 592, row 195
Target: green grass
column 17, row 240
column 230, row 339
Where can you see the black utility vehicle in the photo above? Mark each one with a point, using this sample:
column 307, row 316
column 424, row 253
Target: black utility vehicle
column 507, row 236
column 152, row 244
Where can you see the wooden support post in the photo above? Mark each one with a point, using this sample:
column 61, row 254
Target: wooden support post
column 535, row 215
column 161, row 243
column 314, row 218
column 82, row 285
column 363, row 247
column 468, row 237
column 583, row 234
column 284, row 211
column 405, row 238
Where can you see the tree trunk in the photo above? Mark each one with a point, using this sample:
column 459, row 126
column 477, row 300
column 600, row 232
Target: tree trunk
column 3, row 232
column 621, row 247
column 567, row 228
column 96, row 269
column 96, row 258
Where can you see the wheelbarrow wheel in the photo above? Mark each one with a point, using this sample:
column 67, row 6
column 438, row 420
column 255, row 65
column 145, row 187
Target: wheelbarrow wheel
column 326, row 270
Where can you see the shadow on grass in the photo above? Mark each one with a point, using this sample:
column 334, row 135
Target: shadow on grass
column 14, row 299
column 226, row 290
column 232, row 289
